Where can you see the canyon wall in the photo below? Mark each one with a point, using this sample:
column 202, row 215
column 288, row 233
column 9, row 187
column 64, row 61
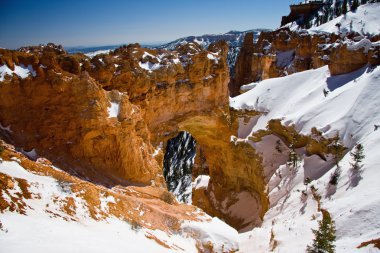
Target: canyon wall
column 283, row 52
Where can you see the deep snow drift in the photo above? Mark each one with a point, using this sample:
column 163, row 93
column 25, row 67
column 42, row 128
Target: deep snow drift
column 350, row 108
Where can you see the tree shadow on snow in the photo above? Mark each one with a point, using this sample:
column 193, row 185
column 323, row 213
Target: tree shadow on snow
column 331, row 190
column 335, row 82
column 304, row 198
column 289, row 184
column 355, row 175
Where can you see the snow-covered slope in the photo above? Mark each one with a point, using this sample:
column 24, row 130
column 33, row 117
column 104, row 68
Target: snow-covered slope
column 40, row 211
column 350, row 108
column 365, row 20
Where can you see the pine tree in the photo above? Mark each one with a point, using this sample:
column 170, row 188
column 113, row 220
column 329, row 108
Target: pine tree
column 357, row 156
column 325, row 92
column 344, row 7
column 335, row 176
column 337, row 9
column 337, row 149
column 306, row 182
column 324, row 236
column 293, row 157
column 278, row 146
column 354, row 5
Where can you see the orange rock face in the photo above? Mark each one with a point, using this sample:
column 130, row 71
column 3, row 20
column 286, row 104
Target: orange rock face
column 345, row 59
column 64, row 117
column 284, row 52
column 103, row 117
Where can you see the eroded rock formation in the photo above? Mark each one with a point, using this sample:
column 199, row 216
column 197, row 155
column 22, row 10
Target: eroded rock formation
column 64, row 117
column 105, row 118
column 283, row 52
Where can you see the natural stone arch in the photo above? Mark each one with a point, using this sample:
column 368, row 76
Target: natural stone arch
column 235, row 169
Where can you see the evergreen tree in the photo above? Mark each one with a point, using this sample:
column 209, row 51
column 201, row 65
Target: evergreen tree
column 335, row 176
column 325, row 92
column 357, row 156
column 337, row 9
column 293, row 157
column 337, row 149
column 324, row 236
column 344, row 7
column 354, row 5
column 306, row 182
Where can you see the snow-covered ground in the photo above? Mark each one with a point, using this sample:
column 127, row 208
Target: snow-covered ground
column 44, row 226
column 350, row 108
column 365, row 20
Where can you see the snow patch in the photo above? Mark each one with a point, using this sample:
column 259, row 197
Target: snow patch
column 157, row 151
column 201, row 181
column 32, row 154
column 113, row 110
column 93, row 54
column 213, row 57
column 215, row 232
column 21, row 71
column 149, row 66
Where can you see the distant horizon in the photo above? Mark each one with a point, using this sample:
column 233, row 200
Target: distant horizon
column 132, row 42
column 156, row 42
column 96, row 23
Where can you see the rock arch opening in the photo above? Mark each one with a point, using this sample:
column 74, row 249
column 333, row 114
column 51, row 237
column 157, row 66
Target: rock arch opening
column 178, row 166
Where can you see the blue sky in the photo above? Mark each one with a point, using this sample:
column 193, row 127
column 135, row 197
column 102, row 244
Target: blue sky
column 108, row 22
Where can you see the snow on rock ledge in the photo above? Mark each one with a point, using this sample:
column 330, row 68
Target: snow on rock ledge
column 215, row 235
column 201, row 182
column 21, row 71
column 113, row 110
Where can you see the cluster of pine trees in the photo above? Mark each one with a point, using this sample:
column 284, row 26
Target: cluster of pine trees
column 331, row 10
